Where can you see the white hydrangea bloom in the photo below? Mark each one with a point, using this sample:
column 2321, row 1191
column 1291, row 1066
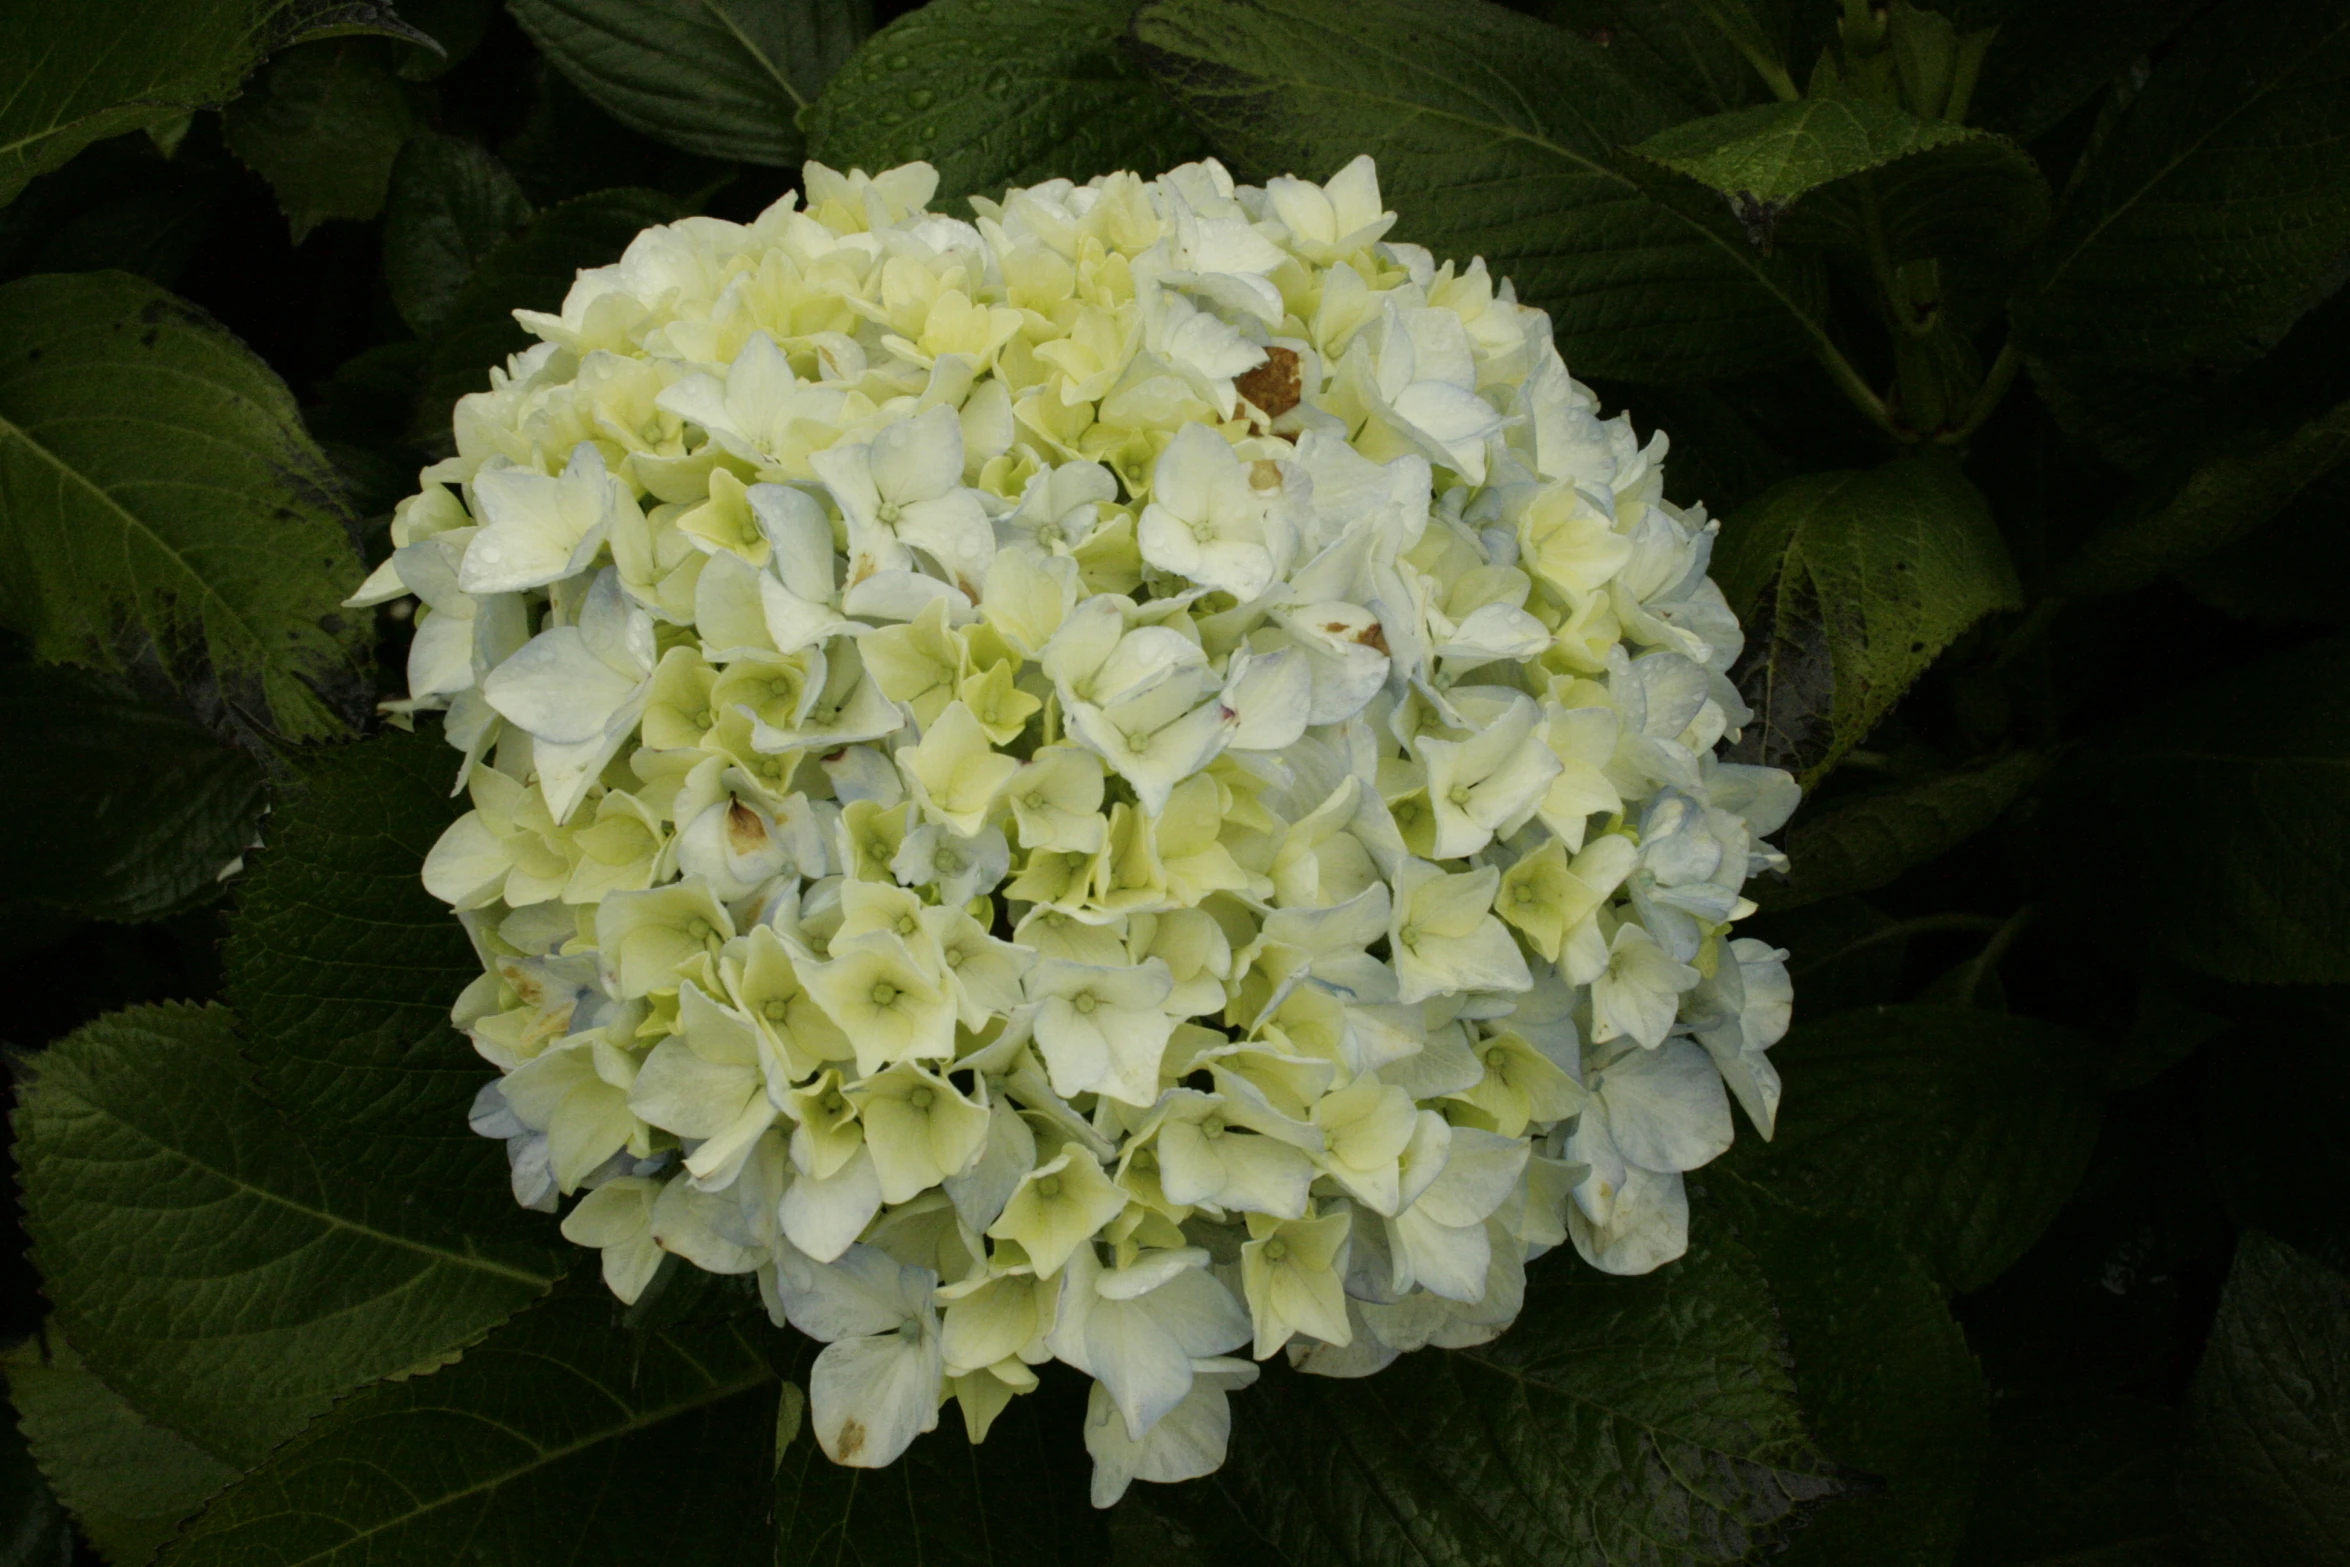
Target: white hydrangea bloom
column 1130, row 782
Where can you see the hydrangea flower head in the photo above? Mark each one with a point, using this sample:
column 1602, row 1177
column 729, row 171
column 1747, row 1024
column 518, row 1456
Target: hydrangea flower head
column 1131, row 782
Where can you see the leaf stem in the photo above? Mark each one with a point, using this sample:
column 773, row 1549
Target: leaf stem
column 1923, row 925
column 1989, row 395
column 1993, row 950
column 1856, row 390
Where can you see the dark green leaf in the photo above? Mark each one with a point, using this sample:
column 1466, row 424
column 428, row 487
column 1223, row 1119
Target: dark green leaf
column 456, row 25
column 2218, row 209
column 342, row 968
column 34, row 1531
column 2165, row 1031
column 128, row 1480
column 2277, row 1099
column 322, row 123
column 725, row 78
column 451, row 204
column 1860, row 844
column 1849, row 585
column 2259, row 762
column 1961, row 1131
column 2052, row 56
column 1620, row 1420
column 2078, row 1482
column 1842, row 952
column 162, row 508
column 1973, row 193
column 1673, row 49
column 531, row 271
column 142, row 812
column 1016, row 1500
column 2266, row 1478
column 2286, row 572
column 202, row 1262
column 1496, row 136
column 1774, row 153
column 109, row 66
column 559, row 1439
column 2220, row 502
column 1001, row 92
column 1887, row 1384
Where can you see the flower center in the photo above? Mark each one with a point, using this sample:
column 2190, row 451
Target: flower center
column 884, row 994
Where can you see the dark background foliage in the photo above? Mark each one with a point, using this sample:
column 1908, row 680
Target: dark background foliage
column 2008, row 337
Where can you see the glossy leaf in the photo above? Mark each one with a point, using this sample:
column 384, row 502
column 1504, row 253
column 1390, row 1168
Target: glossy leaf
column 558, row 1439
column 725, row 78
column 1771, row 154
column 1860, row 844
column 140, row 811
column 1960, row 1130
column 110, row 66
column 1621, row 1419
column 1001, row 92
column 342, row 967
column 322, row 123
column 203, row 1262
column 2220, row 502
column 2217, row 210
column 2259, row 761
column 1887, row 1383
column 128, row 1480
column 1675, row 49
column 2266, row 1475
column 451, row 204
column 1496, row 136
column 162, row 507
column 1849, row 585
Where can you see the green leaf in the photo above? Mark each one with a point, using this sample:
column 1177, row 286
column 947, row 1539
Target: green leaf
column 128, row 1480
column 2266, row 1477
column 2218, row 209
column 2053, row 56
column 1496, row 136
column 1849, row 584
column 2084, row 1481
column 342, row 969
column 1860, row 844
column 141, row 812
column 531, row 271
column 558, row 1439
column 1674, row 50
column 1772, row 154
column 1884, row 1375
column 1972, row 193
column 451, row 203
column 2258, row 761
column 34, row 1531
column 322, row 123
column 203, row 1263
column 1001, row 92
column 726, row 78
column 1960, row 1130
column 1620, row 1420
column 110, row 66
column 1016, row 1500
column 162, row 508
column 2221, row 501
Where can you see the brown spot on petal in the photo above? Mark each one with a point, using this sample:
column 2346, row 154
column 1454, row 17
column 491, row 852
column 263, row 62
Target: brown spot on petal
column 850, row 1442
column 1264, row 474
column 1275, row 386
column 1373, row 635
column 746, row 829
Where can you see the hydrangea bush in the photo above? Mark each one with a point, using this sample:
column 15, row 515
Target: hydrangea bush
column 1131, row 782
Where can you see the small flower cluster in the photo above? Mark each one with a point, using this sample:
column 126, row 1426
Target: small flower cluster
column 1130, row 782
